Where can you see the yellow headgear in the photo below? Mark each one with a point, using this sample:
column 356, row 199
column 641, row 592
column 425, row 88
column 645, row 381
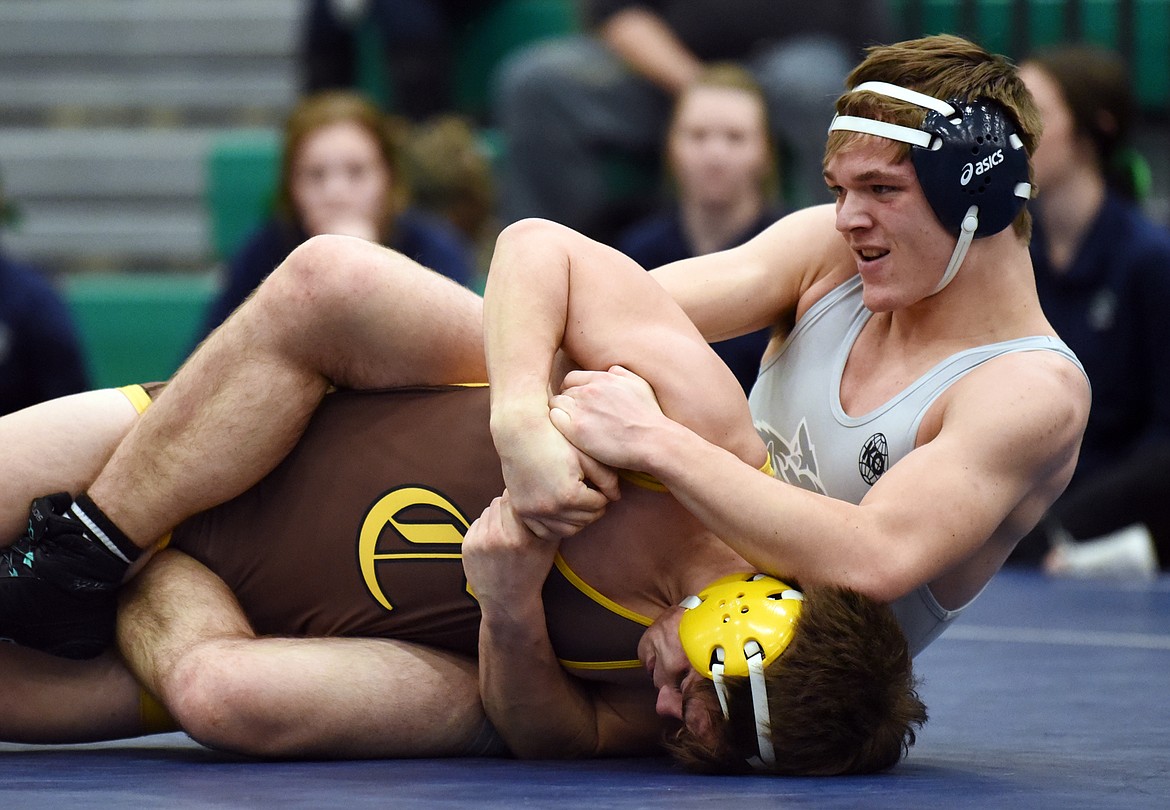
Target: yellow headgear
column 733, row 627
column 733, row 611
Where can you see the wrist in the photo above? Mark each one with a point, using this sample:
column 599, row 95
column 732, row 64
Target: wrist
column 513, row 622
column 663, row 452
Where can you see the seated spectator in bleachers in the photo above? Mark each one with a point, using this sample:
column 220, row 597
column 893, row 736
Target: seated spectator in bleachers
column 417, row 39
column 451, row 176
column 40, row 353
column 722, row 166
column 1103, row 277
column 342, row 171
column 565, row 106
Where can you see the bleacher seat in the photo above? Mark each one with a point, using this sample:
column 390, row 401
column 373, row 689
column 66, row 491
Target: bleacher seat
column 1138, row 29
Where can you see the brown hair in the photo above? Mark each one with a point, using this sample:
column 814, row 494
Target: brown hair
column 842, row 697
column 451, row 173
column 731, row 76
column 324, row 109
column 946, row 67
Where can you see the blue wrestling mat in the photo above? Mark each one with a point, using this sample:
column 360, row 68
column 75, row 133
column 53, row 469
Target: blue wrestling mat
column 1046, row 694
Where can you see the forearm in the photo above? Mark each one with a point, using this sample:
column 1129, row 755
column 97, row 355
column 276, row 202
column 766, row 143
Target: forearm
column 649, row 46
column 525, row 310
column 779, row 528
column 530, row 699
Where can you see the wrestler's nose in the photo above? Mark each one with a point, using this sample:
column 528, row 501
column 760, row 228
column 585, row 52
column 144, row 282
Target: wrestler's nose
column 670, row 702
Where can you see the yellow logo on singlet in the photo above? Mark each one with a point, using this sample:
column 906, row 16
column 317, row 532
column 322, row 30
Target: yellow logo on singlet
column 387, row 511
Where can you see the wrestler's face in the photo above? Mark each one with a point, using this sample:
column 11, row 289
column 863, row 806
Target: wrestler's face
column 682, row 691
column 340, row 183
column 718, row 147
column 900, row 248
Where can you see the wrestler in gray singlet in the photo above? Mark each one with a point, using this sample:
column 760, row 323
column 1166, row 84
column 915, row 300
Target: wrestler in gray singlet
column 814, row 444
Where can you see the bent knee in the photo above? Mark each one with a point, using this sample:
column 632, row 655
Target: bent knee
column 324, row 268
column 217, row 704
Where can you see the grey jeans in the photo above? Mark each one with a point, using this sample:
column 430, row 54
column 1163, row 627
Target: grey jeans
column 565, row 105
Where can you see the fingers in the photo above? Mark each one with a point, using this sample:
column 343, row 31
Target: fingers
column 558, row 414
column 603, row 477
column 580, row 377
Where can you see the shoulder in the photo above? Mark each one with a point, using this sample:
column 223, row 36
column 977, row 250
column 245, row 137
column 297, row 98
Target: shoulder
column 434, row 242
column 1035, row 403
column 1140, row 236
column 267, row 246
column 25, row 288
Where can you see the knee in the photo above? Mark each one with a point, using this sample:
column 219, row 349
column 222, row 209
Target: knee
column 319, row 278
column 216, row 704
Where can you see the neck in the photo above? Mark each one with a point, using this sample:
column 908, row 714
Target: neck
column 967, row 312
column 665, row 554
column 712, row 227
column 1068, row 207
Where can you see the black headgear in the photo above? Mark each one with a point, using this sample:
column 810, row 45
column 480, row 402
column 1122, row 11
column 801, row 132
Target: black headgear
column 970, row 162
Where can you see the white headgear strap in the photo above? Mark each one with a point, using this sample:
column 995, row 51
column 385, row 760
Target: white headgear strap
column 755, row 661
column 914, row 137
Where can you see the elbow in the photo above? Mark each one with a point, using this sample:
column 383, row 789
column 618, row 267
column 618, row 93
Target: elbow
column 525, row 230
column 879, row 578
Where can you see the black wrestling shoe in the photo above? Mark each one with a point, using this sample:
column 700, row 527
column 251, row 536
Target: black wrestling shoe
column 57, row 585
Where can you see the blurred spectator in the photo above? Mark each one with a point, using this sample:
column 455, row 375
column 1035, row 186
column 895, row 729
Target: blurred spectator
column 451, row 176
column 722, row 164
column 565, row 105
column 1103, row 276
column 416, row 40
column 342, row 171
column 40, row 353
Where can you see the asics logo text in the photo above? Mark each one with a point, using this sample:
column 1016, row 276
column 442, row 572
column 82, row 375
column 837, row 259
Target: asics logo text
column 979, row 167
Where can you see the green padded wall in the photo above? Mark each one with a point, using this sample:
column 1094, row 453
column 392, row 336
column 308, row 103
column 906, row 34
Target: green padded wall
column 137, row 327
column 243, row 168
column 502, row 29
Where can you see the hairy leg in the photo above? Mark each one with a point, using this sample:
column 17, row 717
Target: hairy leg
column 56, row 446
column 46, row 699
column 187, row 640
column 339, row 311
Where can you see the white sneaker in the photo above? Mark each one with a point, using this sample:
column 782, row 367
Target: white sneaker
column 1125, row 554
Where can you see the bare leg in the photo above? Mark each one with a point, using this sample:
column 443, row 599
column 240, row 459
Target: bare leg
column 50, row 700
column 57, row 446
column 186, row 638
column 338, row 311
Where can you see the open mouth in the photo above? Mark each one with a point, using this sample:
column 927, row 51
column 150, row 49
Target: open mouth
column 870, row 254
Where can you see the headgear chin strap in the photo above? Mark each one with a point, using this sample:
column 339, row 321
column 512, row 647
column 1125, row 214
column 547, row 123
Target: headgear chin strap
column 970, row 162
column 735, row 626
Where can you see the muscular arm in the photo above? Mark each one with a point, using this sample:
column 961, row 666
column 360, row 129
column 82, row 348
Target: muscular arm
column 535, row 705
column 767, row 281
column 553, row 289
column 1000, row 450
